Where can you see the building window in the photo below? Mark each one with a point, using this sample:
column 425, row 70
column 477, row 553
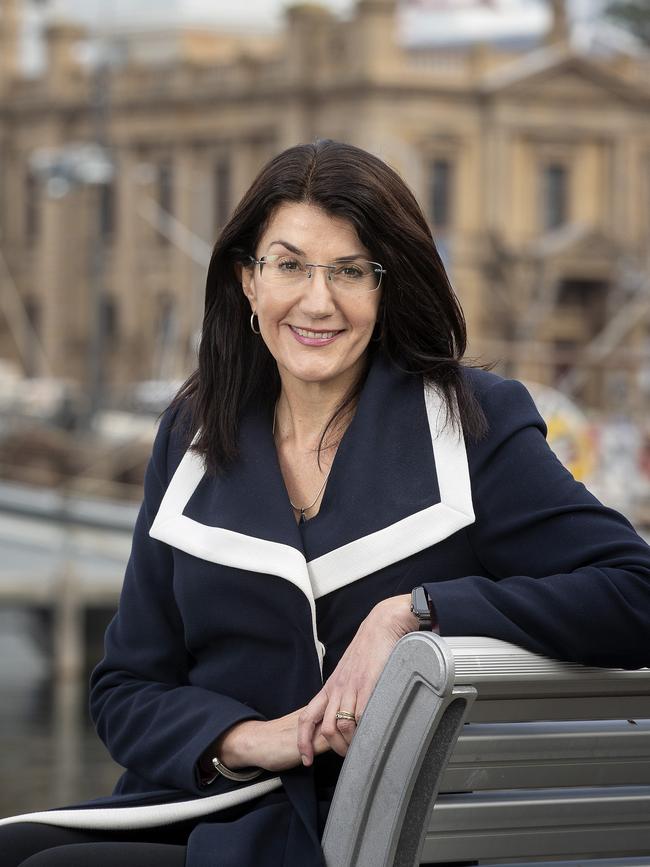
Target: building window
column 165, row 194
column 109, row 318
column 222, row 184
column 32, row 222
column 32, row 327
column 107, row 210
column 586, row 300
column 555, row 195
column 440, row 193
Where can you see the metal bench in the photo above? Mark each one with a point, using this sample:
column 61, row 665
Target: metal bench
column 553, row 763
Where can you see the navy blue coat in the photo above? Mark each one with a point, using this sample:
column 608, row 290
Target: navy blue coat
column 231, row 611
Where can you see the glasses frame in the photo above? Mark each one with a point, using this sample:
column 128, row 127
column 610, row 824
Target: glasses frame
column 379, row 269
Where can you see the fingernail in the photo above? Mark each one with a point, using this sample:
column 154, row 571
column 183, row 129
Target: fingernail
column 304, row 758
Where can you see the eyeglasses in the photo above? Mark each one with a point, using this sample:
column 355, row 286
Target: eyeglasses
column 288, row 271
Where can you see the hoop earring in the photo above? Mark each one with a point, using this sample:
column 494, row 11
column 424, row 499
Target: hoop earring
column 253, row 315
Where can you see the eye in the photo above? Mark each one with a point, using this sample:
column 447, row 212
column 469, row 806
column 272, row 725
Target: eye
column 288, row 265
column 350, row 272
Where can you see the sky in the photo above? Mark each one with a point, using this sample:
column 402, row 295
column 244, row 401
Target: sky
column 256, row 12
column 260, row 14
column 464, row 20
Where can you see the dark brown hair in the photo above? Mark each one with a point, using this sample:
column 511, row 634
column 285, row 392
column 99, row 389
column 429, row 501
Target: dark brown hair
column 420, row 322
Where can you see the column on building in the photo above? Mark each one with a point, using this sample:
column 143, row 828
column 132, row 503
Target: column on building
column 62, row 38
column 373, row 50
column 53, row 285
column 465, row 243
column 132, row 307
column 308, row 35
column 493, row 204
column 15, row 181
column 626, row 222
column 186, row 319
column 618, row 217
column 9, row 42
column 247, row 157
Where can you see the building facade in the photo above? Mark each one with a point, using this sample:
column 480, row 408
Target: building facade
column 533, row 168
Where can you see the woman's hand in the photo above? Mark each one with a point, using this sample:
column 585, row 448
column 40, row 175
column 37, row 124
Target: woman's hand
column 271, row 744
column 349, row 686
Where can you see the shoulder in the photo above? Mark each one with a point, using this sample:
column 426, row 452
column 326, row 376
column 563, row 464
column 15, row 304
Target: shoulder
column 489, row 387
column 497, row 394
column 172, row 439
column 506, row 403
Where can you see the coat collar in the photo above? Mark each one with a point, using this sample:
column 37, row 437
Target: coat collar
column 399, row 483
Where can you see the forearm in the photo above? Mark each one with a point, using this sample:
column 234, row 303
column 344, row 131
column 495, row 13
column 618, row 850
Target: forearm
column 160, row 731
column 234, row 747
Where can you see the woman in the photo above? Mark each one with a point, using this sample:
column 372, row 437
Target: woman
column 329, row 455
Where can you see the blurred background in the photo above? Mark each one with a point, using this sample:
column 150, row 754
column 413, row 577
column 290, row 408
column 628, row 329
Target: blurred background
column 129, row 130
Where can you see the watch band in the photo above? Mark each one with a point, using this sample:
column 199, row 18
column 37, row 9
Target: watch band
column 235, row 776
column 421, row 607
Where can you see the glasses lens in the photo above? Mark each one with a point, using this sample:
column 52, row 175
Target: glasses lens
column 282, row 270
column 359, row 275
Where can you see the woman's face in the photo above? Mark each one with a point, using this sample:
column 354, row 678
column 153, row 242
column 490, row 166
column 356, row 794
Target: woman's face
column 315, row 332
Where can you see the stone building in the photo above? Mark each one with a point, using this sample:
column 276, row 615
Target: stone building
column 533, row 166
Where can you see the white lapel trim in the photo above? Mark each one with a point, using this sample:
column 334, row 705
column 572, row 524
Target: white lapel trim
column 150, row 816
column 216, row 544
column 226, row 547
column 417, row 531
column 343, row 565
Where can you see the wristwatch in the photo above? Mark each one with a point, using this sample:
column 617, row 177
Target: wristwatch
column 421, row 607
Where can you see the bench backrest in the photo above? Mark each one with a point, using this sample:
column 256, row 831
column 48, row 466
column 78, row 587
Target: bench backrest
column 554, row 763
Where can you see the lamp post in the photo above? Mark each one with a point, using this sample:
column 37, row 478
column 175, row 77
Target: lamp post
column 62, row 171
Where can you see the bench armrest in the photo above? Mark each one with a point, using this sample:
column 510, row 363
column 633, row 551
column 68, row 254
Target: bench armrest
column 392, row 771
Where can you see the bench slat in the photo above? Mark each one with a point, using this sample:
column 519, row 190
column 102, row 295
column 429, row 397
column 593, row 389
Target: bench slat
column 551, row 708
column 540, row 823
column 621, row 861
column 499, row 756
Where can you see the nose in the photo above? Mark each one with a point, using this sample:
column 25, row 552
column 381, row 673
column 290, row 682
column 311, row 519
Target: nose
column 317, row 299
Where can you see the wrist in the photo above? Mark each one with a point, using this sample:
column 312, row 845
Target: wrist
column 235, row 747
column 396, row 611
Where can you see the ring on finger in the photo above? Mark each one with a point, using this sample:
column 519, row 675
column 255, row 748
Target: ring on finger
column 345, row 714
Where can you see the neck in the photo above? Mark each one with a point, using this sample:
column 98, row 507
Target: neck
column 304, row 408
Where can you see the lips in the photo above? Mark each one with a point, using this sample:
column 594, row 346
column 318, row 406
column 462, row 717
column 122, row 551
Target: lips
column 308, row 332
column 310, row 337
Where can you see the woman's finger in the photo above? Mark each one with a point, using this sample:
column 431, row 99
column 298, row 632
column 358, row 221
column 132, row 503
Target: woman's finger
column 330, row 725
column 310, row 716
column 347, row 727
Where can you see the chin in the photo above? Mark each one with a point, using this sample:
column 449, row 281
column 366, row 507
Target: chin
column 318, row 370
column 315, row 375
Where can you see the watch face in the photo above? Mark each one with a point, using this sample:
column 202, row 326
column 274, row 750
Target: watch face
column 420, row 604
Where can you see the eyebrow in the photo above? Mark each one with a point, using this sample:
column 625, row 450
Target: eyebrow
column 300, row 252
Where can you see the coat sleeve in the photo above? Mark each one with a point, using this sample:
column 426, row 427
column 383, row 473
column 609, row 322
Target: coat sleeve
column 562, row 575
column 152, row 720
